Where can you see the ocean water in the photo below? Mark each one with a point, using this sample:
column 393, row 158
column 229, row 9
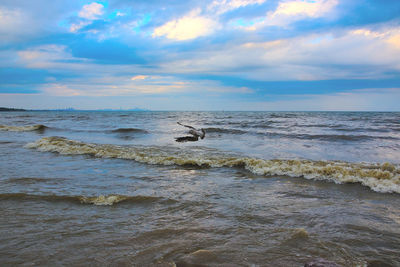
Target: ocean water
column 261, row 189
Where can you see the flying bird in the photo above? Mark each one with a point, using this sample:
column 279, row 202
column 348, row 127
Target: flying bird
column 195, row 134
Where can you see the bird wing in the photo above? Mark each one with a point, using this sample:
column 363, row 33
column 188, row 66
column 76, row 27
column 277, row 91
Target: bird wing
column 186, row 125
column 194, row 133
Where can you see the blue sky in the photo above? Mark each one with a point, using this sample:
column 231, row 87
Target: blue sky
column 201, row 55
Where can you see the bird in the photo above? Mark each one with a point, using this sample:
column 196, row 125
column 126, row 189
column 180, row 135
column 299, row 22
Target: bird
column 193, row 131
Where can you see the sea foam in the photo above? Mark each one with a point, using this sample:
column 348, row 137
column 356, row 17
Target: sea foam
column 101, row 200
column 380, row 177
column 26, row 128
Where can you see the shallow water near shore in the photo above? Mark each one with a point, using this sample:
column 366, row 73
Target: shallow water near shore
column 262, row 189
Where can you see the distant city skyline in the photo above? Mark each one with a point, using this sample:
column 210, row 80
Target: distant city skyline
column 340, row 55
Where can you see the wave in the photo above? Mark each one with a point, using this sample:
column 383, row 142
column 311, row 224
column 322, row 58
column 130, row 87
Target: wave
column 319, row 125
column 322, row 137
column 379, row 130
column 339, row 137
column 128, row 130
column 26, row 128
column 31, row 180
column 326, row 137
column 224, row 130
column 101, row 200
column 284, row 115
column 24, row 116
column 384, row 177
column 267, row 126
column 41, row 127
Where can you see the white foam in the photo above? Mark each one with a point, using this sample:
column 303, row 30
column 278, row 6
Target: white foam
column 103, row 200
column 379, row 177
column 26, row 128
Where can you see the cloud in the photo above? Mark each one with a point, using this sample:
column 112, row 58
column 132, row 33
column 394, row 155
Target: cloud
column 309, row 57
column 15, row 24
column 55, row 89
column 377, row 99
column 75, row 27
column 116, row 88
column 45, row 56
column 139, row 77
column 137, row 86
column 23, row 22
column 394, row 40
column 223, row 6
column 109, row 85
column 144, row 52
column 91, row 11
column 9, row 19
column 288, row 12
column 87, row 14
column 188, row 27
column 390, row 36
column 308, row 8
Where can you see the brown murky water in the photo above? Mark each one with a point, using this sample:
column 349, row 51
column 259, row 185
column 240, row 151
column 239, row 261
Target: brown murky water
column 241, row 197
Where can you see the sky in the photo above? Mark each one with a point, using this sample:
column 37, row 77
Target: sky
column 201, row 55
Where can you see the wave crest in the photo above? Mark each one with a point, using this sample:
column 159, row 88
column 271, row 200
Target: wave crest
column 102, row 200
column 26, row 128
column 129, row 130
column 379, row 177
column 224, row 130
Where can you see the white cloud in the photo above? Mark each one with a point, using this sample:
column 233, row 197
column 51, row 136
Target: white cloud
column 91, row 11
column 16, row 24
column 87, row 14
column 188, row 27
column 77, row 26
column 116, row 86
column 394, row 40
column 54, row 57
column 390, row 36
column 331, row 55
column 43, row 56
column 126, row 86
column 309, row 8
column 9, row 19
column 382, row 99
column 222, row 6
column 139, row 77
column 55, row 89
column 288, row 12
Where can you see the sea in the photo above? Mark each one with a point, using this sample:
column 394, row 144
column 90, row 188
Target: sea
column 114, row 188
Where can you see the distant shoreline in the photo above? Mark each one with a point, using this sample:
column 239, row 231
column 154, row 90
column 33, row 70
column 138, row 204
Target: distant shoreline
column 12, row 109
column 69, row 109
column 148, row 110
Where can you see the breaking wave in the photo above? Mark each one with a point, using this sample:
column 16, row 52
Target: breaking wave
column 101, row 200
column 26, row 128
column 384, row 177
